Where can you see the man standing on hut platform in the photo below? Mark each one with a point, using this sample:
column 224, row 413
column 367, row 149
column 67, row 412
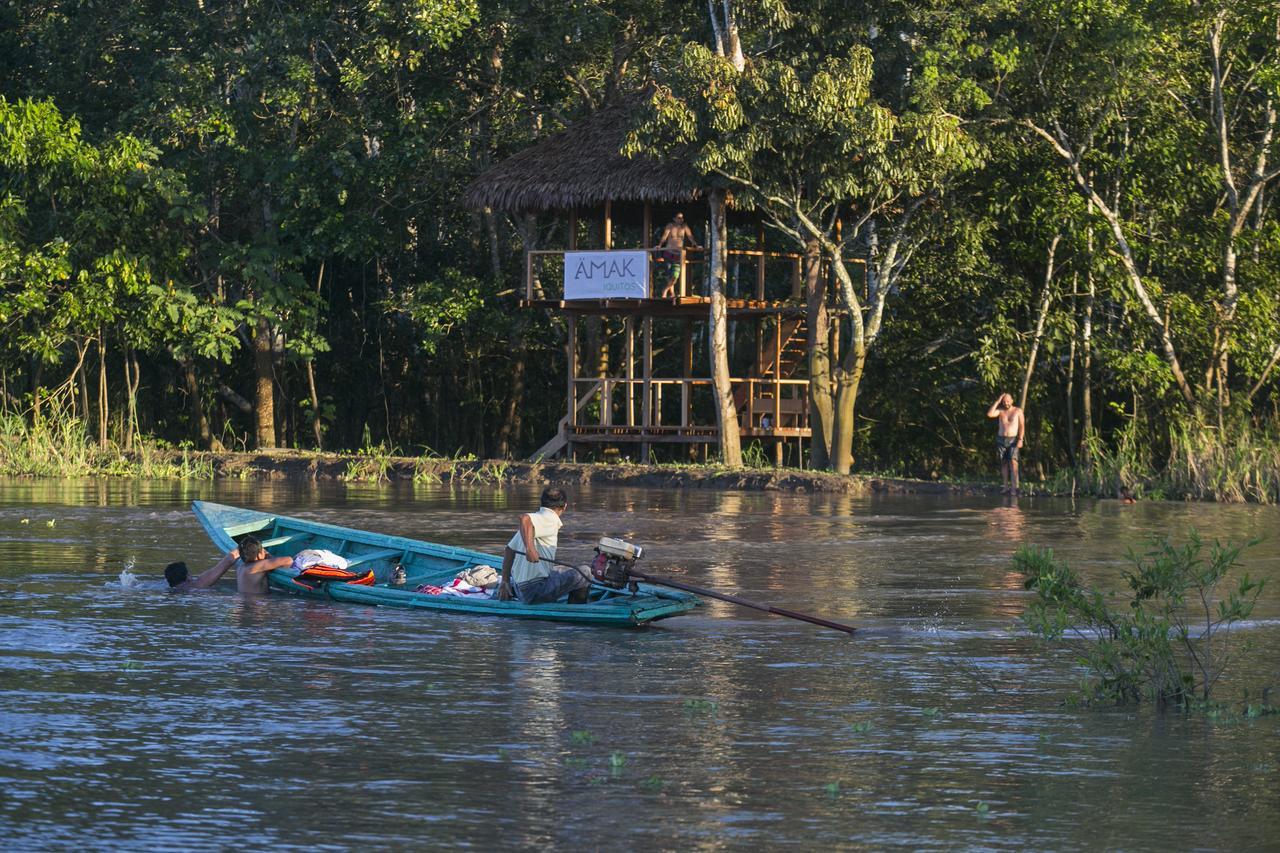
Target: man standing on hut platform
column 1010, row 428
column 671, row 243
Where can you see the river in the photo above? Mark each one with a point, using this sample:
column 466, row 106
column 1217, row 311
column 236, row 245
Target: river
column 130, row 718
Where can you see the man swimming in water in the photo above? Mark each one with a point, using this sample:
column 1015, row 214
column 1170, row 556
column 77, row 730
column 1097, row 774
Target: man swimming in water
column 251, row 577
column 180, row 579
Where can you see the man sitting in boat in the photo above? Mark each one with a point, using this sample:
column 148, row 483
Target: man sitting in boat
column 251, row 576
column 526, row 566
column 180, row 579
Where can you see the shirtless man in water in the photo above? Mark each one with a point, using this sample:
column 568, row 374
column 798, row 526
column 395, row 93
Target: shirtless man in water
column 1010, row 428
column 180, row 579
column 251, row 576
column 671, row 242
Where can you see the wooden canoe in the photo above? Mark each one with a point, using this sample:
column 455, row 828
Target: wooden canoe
column 424, row 563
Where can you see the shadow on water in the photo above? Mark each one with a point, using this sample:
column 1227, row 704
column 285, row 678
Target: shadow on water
column 129, row 717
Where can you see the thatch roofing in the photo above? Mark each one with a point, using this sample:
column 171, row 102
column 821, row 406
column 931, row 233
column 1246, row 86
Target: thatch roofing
column 581, row 166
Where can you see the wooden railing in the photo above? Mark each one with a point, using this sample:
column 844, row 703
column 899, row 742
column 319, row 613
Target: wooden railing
column 771, row 404
column 774, row 276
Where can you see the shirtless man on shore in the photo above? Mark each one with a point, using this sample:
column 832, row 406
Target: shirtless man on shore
column 671, row 242
column 251, row 575
column 1010, row 428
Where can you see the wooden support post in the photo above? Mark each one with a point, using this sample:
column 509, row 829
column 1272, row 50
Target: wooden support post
column 777, row 453
column 571, row 346
column 796, row 277
column 646, row 368
column 760, row 264
column 608, row 225
column 688, row 373
column 777, row 377
column 629, row 329
column 528, row 275
column 646, row 244
column 759, row 345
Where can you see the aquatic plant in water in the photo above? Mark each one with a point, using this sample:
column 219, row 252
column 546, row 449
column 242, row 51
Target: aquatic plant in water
column 1170, row 643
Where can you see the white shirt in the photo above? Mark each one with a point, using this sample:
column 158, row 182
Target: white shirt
column 546, row 529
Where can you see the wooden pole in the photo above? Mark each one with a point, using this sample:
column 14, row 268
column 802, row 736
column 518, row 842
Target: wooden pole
column 760, row 264
column 646, row 407
column 629, row 329
column 608, row 225
column 572, row 359
column 688, row 373
column 646, row 243
column 528, row 275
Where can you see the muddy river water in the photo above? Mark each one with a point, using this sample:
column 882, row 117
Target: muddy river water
column 130, row 718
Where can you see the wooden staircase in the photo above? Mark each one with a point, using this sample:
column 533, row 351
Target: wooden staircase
column 559, row 441
column 789, row 348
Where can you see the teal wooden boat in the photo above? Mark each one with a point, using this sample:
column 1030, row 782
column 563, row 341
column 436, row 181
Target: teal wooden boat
column 424, row 563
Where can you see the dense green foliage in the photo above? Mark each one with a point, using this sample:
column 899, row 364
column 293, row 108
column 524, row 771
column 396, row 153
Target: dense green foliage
column 240, row 223
column 1168, row 640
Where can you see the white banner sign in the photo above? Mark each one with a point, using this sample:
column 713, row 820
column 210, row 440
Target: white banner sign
column 606, row 275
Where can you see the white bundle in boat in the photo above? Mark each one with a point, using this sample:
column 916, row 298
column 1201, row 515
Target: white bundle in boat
column 318, row 557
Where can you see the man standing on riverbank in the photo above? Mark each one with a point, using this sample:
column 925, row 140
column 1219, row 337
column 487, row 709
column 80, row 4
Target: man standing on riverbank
column 180, row 580
column 1010, row 428
column 526, row 567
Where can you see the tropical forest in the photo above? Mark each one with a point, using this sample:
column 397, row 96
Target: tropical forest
column 243, row 225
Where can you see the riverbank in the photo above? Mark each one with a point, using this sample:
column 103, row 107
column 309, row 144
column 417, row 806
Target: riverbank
column 373, row 466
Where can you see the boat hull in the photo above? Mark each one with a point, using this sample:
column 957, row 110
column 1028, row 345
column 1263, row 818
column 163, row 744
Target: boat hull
column 424, row 563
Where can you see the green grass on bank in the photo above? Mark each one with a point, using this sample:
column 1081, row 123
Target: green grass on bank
column 1239, row 464
column 60, row 446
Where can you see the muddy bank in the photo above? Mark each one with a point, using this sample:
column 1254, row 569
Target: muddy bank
column 302, row 465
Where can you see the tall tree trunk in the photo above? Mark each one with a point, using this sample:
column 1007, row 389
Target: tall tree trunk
column 37, row 374
column 818, row 320
column 726, row 415
column 1046, row 296
column 317, row 429
column 849, row 380
column 1071, row 375
column 1086, row 349
column 195, row 407
column 264, row 410
column 132, row 379
column 1112, row 217
column 103, row 410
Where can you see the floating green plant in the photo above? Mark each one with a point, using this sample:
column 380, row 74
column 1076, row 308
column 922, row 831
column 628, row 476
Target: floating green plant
column 701, row 706
column 832, row 789
column 929, row 712
column 582, row 736
column 982, row 809
column 861, row 728
column 654, row 783
column 617, row 760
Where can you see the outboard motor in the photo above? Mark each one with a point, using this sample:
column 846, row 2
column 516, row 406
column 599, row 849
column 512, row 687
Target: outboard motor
column 613, row 562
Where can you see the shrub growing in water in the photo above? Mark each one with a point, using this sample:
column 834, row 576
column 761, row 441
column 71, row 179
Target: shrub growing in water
column 1172, row 641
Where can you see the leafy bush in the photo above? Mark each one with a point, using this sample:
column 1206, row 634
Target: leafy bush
column 1171, row 643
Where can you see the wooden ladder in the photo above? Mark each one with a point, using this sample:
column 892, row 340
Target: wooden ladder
column 559, row 442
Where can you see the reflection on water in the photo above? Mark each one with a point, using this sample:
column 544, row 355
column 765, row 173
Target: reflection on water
column 129, row 717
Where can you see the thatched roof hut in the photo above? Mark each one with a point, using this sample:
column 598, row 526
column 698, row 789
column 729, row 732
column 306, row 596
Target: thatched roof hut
column 581, row 166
